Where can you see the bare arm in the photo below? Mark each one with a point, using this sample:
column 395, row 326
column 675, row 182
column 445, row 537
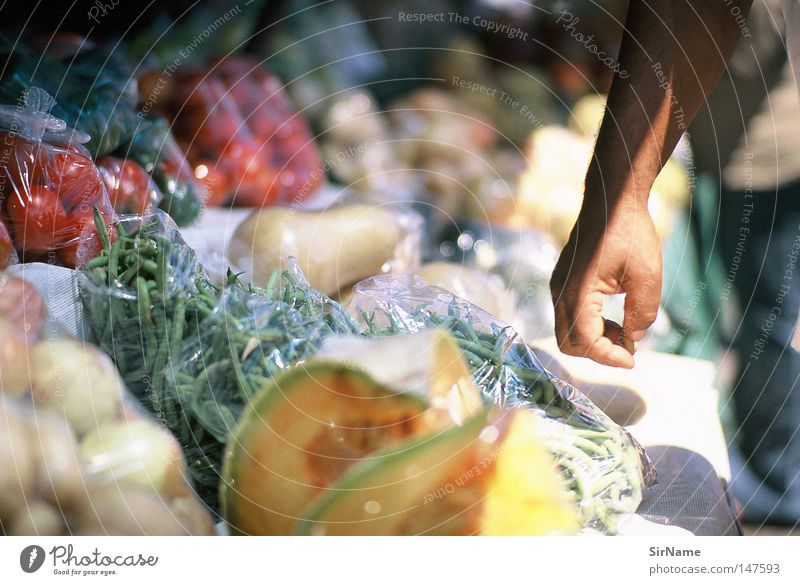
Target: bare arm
column 672, row 54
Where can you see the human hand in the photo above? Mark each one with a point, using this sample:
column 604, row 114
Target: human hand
column 607, row 255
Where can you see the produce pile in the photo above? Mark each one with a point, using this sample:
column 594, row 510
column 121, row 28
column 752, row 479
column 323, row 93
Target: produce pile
column 359, row 369
column 96, row 94
column 78, row 454
column 246, row 144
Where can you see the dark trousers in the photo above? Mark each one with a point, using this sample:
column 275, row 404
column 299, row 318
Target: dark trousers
column 760, row 238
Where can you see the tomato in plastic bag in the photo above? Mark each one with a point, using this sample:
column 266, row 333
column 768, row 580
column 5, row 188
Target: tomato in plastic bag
column 130, row 189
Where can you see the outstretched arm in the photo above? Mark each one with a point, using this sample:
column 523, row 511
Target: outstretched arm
column 672, row 54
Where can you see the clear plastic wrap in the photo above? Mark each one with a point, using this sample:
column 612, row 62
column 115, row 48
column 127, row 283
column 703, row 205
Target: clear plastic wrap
column 252, row 335
column 130, row 189
column 6, row 247
column 524, row 259
column 602, row 463
column 49, row 185
column 334, row 247
column 78, row 455
column 143, row 294
column 156, row 150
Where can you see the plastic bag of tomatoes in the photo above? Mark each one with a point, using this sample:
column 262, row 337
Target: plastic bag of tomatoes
column 49, row 186
column 245, row 142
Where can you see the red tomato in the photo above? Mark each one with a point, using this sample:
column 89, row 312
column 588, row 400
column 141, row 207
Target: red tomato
column 128, row 186
column 86, row 246
column 17, row 157
column 6, row 246
column 39, row 220
column 265, row 191
column 214, row 181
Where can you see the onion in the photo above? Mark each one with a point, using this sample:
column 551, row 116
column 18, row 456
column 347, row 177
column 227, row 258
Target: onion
column 135, row 452
column 78, row 380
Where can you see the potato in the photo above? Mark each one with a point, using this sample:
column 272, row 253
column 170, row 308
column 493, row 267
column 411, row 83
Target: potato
column 17, row 461
column 124, row 510
column 136, row 452
column 334, row 248
column 58, row 461
column 75, row 379
column 37, row 519
column 193, row 516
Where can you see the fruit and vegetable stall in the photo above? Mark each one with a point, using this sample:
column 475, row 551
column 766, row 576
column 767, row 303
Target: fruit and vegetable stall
column 248, row 289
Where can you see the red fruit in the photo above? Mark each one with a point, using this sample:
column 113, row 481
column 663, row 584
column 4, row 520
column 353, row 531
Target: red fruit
column 86, row 246
column 21, row 306
column 214, row 181
column 129, row 187
column 6, row 246
column 39, row 220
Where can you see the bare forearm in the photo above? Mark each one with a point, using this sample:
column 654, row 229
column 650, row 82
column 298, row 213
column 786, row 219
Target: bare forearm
column 672, row 54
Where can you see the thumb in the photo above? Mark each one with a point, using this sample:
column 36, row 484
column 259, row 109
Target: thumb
column 642, row 298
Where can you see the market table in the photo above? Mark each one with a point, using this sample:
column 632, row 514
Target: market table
column 670, row 405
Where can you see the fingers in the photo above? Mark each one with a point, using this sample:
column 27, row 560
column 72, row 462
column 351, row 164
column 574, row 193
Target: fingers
column 581, row 331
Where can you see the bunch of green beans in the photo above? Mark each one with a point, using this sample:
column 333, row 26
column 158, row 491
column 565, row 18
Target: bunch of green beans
column 144, row 293
column 251, row 336
column 600, row 463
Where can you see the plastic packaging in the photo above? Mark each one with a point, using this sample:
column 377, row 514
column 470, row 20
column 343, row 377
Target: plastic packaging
column 96, row 91
column 602, row 463
column 524, row 259
column 6, row 247
column 246, row 144
column 475, row 285
column 252, row 335
column 50, row 186
column 142, row 296
column 77, row 454
column 334, row 247
column 130, row 189
column 155, row 149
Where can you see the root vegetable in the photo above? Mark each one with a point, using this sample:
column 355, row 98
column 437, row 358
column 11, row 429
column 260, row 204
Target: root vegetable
column 15, row 376
column 17, row 465
column 334, row 248
column 77, row 379
column 58, row 462
column 37, row 519
column 22, row 306
column 137, row 453
column 193, row 516
column 124, row 510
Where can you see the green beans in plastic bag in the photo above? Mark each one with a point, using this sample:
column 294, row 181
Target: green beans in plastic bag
column 606, row 469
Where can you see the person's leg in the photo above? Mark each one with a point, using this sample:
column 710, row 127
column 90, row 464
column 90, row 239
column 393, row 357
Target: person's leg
column 761, row 246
